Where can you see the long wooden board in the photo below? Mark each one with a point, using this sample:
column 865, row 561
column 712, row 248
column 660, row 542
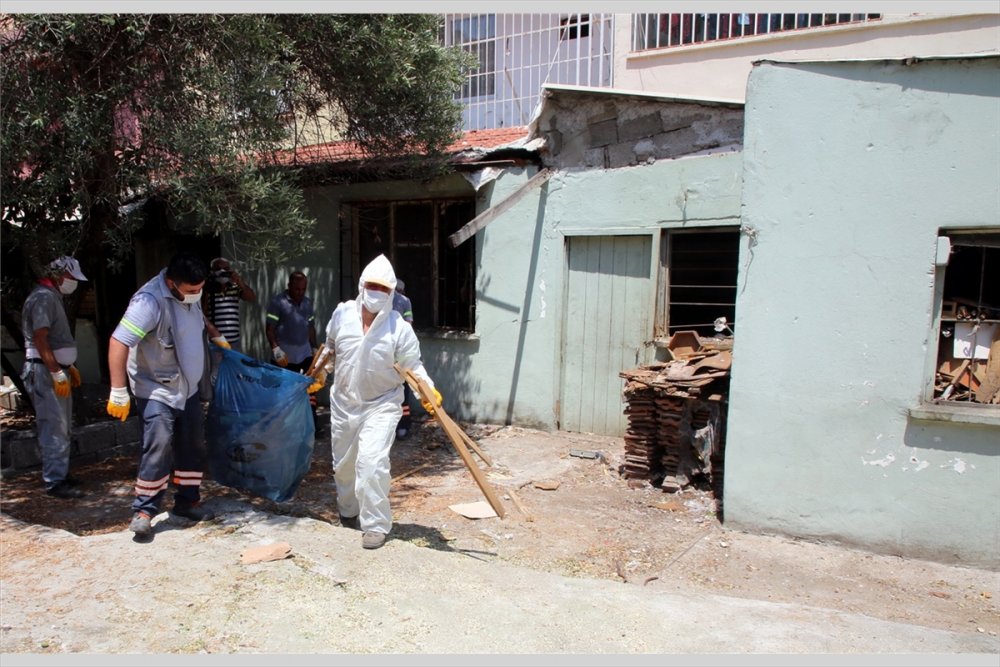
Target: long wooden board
column 456, row 435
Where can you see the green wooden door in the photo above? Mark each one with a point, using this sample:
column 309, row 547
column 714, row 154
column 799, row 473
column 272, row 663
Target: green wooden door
column 606, row 323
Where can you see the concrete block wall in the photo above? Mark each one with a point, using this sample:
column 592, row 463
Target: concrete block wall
column 21, row 454
column 619, row 130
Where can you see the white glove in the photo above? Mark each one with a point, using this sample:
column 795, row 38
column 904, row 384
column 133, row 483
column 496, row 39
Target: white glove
column 60, row 383
column 222, row 342
column 118, row 403
column 279, row 356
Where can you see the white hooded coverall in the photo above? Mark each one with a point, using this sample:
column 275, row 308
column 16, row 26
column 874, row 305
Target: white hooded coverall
column 365, row 399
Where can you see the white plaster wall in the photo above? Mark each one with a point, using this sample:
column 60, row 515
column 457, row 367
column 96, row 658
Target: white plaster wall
column 850, row 171
column 719, row 70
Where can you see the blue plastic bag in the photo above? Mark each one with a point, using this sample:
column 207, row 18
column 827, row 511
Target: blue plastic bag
column 260, row 430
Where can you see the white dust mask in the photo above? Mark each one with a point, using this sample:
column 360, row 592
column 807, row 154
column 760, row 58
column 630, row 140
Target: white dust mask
column 373, row 300
column 192, row 298
column 68, row 286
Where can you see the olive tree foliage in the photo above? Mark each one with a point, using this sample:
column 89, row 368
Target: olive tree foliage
column 99, row 112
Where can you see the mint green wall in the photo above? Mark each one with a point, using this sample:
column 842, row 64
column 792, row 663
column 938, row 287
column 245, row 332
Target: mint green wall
column 513, row 369
column 850, row 171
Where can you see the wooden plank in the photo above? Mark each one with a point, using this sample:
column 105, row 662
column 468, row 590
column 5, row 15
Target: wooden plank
column 454, row 433
column 517, row 501
column 470, row 228
column 990, row 386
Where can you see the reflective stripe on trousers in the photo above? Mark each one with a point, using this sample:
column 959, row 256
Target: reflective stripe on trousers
column 172, row 441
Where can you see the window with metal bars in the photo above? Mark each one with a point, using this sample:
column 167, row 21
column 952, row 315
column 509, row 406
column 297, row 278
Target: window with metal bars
column 477, row 34
column 655, row 31
column 968, row 361
column 440, row 280
column 697, row 282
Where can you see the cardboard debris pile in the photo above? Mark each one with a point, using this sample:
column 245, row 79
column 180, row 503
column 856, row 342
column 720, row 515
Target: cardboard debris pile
column 676, row 416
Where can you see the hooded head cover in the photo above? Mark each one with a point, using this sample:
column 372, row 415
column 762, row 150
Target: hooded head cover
column 68, row 265
column 378, row 271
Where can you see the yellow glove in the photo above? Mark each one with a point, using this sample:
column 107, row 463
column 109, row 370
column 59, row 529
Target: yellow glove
column 75, row 379
column 119, row 403
column 222, row 342
column 437, row 401
column 318, row 382
column 60, row 383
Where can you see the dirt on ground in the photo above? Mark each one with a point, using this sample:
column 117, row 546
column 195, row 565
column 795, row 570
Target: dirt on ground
column 569, row 511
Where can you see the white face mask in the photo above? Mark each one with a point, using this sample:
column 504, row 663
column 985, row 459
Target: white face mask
column 373, row 300
column 192, row 298
column 68, row 286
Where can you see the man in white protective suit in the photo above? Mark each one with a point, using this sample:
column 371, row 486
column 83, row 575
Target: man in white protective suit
column 368, row 337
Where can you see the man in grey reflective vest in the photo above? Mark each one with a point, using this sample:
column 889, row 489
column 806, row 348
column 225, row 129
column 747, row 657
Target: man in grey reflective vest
column 158, row 347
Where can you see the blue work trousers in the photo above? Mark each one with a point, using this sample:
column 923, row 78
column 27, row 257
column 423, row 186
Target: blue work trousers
column 172, row 442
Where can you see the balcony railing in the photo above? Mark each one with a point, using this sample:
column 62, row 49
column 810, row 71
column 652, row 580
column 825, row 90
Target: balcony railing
column 656, row 31
column 518, row 53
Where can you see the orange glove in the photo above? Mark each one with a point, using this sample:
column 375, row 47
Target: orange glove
column 60, row 383
column 75, row 379
column 437, row 401
column 119, row 403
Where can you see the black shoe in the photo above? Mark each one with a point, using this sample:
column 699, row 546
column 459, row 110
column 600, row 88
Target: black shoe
column 64, row 490
column 72, row 481
column 194, row 512
column 350, row 522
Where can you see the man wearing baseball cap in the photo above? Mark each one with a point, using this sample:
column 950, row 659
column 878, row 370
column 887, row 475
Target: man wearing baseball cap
column 50, row 372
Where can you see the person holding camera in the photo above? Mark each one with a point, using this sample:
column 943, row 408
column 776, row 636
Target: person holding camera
column 221, row 300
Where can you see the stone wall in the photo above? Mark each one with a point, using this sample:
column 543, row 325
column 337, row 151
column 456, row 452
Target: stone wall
column 20, row 453
column 607, row 131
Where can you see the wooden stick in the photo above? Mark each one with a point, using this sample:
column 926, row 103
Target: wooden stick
column 424, row 391
column 520, row 505
column 474, row 447
column 410, row 472
column 319, row 360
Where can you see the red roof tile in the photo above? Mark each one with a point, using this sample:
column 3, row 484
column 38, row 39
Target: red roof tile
column 346, row 151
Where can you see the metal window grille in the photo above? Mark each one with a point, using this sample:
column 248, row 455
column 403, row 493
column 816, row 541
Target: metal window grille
column 518, row 53
column 655, row 31
column 413, row 234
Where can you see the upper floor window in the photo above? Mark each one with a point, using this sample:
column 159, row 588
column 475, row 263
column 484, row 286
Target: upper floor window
column 654, row 31
column 573, row 26
column 477, row 34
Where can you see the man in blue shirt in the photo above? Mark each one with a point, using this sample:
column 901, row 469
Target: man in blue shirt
column 291, row 328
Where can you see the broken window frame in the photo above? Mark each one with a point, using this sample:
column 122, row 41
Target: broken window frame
column 443, row 290
column 667, row 287
column 968, row 299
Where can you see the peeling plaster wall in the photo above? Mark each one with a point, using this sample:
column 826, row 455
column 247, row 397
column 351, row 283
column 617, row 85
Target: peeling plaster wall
column 850, row 169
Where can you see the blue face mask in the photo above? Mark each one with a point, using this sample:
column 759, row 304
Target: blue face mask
column 374, row 300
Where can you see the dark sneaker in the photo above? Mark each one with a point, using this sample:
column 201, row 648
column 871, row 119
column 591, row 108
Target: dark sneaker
column 64, row 490
column 195, row 512
column 141, row 525
column 72, row 481
column 372, row 540
column 350, row 522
